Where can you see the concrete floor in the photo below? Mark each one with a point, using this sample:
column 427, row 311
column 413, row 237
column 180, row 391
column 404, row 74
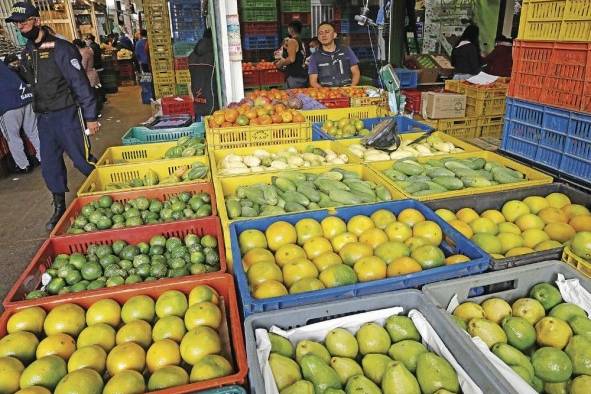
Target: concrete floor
column 26, row 202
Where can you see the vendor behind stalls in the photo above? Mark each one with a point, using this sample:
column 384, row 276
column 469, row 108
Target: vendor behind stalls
column 500, row 61
column 292, row 58
column 332, row 64
column 465, row 57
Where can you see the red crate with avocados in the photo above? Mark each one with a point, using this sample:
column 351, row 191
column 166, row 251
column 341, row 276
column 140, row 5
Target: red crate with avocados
column 230, row 330
column 30, row 279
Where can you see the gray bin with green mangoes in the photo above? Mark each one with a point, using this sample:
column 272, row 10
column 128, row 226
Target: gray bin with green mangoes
column 482, row 202
column 509, row 285
column 459, row 345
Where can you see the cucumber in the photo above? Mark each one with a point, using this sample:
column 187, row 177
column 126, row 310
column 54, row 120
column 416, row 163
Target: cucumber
column 449, row 182
column 408, row 169
column 344, row 197
column 475, row 181
column 416, row 186
column 283, row 184
column 291, row 206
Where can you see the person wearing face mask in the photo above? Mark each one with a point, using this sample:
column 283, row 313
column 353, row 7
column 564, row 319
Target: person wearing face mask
column 332, row 64
column 292, row 58
column 63, row 100
column 16, row 113
column 313, row 46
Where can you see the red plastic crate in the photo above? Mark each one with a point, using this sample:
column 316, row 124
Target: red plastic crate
column 126, row 71
column 251, row 78
column 30, row 279
column 181, row 63
column 222, row 283
column 263, row 28
column 177, row 105
column 304, row 17
column 553, row 73
column 341, row 102
column 272, row 77
column 413, row 100
column 161, row 194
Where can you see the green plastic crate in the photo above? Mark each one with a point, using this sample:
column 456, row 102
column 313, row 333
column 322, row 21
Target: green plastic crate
column 295, row 6
column 257, row 4
column 259, row 15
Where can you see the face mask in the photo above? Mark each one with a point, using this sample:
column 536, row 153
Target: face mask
column 313, row 50
column 31, row 34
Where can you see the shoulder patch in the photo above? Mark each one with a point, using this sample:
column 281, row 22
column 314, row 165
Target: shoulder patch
column 75, row 63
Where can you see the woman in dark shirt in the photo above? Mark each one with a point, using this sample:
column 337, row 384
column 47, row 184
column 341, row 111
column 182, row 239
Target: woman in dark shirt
column 293, row 58
column 465, row 57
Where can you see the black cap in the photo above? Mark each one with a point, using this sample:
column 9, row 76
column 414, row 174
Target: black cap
column 22, row 11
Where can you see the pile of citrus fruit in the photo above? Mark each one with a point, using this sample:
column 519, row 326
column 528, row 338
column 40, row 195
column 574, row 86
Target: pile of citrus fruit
column 542, row 338
column 315, row 255
column 107, row 348
column 535, row 224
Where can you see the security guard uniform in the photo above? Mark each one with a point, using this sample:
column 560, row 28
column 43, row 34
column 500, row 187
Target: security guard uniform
column 63, row 100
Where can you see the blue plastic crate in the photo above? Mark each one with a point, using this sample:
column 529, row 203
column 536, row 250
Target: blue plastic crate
column 144, row 135
column 577, row 150
column 453, row 243
column 408, row 78
column 363, row 53
column 226, row 390
column 260, row 42
column 405, row 125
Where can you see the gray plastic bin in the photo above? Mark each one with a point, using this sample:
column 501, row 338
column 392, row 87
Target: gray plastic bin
column 482, row 202
column 516, row 283
column 487, row 379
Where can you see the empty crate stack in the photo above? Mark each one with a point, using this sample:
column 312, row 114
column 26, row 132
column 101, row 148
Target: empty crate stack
column 260, row 34
column 158, row 26
column 548, row 119
column 296, row 10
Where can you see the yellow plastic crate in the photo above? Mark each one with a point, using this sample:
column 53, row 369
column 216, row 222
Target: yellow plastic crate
column 100, row 177
column 579, row 263
column 381, row 100
column 455, row 86
column 226, row 186
column 534, row 177
column 216, row 156
column 320, row 115
column 485, row 107
column 161, row 90
column 183, row 76
column 247, row 136
column 498, row 90
column 412, row 136
column 555, row 20
column 491, row 126
column 459, row 127
column 119, row 155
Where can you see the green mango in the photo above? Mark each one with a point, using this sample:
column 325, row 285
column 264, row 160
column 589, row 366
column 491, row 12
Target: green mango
column 523, row 373
column 579, row 351
column 401, row 328
column 547, row 294
column 345, row 368
column 299, row 387
column 567, row 311
column 360, row 384
column 581, row 326
column 375, row 365
column 285, row 371
column 434, row 373
column 399, row 380
column 556, row 388
column 341, row 343
column 317, row 371
column 521, row 334
column 513, row 357
column 490, row 332
column 551, row 365
column 373, row 338
column 537, row 384
column 281, row 345
column 306, row 347
column 407, row 352
column 580, row 384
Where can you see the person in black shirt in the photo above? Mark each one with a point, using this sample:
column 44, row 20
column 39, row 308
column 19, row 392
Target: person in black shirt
column 465, row 57
column 293, row 58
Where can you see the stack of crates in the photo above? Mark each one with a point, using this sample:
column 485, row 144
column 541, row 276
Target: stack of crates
column 187, row 20
column 161, row 55
column 296, row 10
column 182, row 75
column 548, row 119
column 260, row 37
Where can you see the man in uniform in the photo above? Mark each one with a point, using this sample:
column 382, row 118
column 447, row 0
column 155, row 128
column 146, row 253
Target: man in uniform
column 332, row 64
column 62, row 98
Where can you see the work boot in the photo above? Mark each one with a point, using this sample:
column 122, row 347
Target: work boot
column 59, row 207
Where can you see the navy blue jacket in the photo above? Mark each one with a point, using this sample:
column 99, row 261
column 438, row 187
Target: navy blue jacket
column 14, row 93
column 54, row 70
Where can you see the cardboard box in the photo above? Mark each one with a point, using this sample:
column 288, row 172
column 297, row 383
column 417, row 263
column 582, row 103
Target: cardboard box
column 443, row 105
